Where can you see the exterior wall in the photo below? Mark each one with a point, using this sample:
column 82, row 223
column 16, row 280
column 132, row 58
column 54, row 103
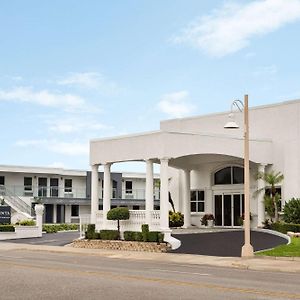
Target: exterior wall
column 280, row 123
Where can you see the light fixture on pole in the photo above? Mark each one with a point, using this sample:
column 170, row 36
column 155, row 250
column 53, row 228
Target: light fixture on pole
column 247, row 249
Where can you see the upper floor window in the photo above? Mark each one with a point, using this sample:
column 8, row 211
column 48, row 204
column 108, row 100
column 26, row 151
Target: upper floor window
column 68, row 185
column 28, row 183
column 2, row 180
column 128, row 187
column 229, row 175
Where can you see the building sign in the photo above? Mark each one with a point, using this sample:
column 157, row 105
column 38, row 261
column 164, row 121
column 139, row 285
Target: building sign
column 5, row 214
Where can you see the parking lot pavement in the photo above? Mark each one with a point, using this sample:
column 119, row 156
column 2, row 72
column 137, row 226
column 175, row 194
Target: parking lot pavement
column 227, row 243
column 50, row 239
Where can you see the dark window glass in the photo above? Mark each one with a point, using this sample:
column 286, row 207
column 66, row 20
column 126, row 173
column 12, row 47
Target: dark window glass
column 128, row 187
column 223, row 176
column 75, row 211
column 218, row 210
column 100, row 207
column 238, row 175
column 42, row 182
column 201, row 206
column 68, row 185
column 28, row 183
column 193, row 207
column 193, row 195
column 136, row 207
column 2, row 180
column 201, row 195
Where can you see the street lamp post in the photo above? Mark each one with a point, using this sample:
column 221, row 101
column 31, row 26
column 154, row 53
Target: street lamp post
column 247, row 249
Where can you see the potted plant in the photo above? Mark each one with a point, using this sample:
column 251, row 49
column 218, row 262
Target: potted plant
column 208, row 220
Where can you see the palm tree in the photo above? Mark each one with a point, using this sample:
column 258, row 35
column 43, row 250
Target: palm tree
column 272, row 179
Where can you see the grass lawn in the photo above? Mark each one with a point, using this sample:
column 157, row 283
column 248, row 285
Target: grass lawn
column 293, row 249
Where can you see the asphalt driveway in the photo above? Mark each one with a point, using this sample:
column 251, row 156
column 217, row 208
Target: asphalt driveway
column 227, row 243
column 49, row 239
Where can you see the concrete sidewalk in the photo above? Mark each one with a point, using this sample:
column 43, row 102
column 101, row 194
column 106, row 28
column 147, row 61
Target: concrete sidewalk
column 257, row 263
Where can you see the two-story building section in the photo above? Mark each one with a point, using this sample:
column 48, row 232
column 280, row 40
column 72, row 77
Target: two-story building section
column 66, row 194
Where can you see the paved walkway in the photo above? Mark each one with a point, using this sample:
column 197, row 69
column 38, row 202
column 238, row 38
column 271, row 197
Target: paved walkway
column 224, row 243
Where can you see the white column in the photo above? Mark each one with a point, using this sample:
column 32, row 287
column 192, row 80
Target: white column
column 39, row 211
column 94, row 198
column 260, row 198
column 54, row 213
column 164, row 195
column 186, row 198
column 149, row 191
column 106, row 192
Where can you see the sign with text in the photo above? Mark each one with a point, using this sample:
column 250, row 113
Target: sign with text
column 5, row 214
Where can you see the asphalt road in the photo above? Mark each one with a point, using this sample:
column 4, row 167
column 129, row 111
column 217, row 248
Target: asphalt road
column 47, row 275
column 53, row 239
column 227, row 243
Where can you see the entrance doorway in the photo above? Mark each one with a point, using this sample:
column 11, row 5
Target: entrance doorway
column 228, row 209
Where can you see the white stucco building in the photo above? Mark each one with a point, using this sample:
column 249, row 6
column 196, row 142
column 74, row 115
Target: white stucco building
column 201, row 163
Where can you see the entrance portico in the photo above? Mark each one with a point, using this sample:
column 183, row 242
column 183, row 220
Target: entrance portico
column 174, row 151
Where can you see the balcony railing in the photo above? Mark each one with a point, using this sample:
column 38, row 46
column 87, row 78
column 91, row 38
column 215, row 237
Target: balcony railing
column 72, row 192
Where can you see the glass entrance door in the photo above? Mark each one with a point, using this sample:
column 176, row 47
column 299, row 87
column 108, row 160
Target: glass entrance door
column 228, row 209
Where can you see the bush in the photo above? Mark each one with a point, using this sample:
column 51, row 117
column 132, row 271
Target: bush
column 7, row 228
column 109, row 234
column 285, row 227
column 145, row 231
column 28, row 222
column 133, row 236
column 90, row 232
column 155, row 236
column 292, row 211
column 52, row 228
column 176, row 219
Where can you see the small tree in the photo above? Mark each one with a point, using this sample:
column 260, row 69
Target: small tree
column 292, row 211
column 272, row 179
column 118, row 214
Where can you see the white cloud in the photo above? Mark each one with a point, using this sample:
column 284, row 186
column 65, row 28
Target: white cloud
column 67, row 148
column 90, row 80
column 176, row 104
column 79, row 124
column 44, row 97
column 231, row 28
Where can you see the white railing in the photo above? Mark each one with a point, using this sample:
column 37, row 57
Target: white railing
column 136, row 219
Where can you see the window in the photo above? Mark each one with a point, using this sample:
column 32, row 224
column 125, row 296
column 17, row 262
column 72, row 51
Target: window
column 75, row 211
column 136, row 207
column 68, row 185
column 229, row 175
column 27, row 183
column 197, row 201
column 2, row 180
column 128, row 187
column 114, row 190
column 54, row 187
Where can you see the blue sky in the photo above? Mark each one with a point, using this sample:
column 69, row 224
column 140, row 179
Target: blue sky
column 75, row 70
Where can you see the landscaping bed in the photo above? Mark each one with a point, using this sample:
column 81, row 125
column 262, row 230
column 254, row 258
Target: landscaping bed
column 121, row 245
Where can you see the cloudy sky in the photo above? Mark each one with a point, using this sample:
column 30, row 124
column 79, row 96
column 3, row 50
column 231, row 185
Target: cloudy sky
column 75, row 70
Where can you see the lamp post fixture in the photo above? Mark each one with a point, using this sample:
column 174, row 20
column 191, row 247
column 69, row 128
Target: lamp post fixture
column 247, row 249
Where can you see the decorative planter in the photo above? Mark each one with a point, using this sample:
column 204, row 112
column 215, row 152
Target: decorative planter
column 210, row 223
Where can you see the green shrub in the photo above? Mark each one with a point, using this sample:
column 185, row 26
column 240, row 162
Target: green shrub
column 52, row 228
column 7, row 228
column 285, row 227
column 28, row 222
column 109, row 234
column 90, row 232
column 133, row 236
column 292, row 211
column 153, row 236
column 118, row 214
column 145, row 231
column 176, row 219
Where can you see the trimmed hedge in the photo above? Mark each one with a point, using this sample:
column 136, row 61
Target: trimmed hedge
column 152, row 236
column 7, row 228
column 133, row 236
column 109, row 235
column 52, row 228
column 145, row 231
column 285, row 227
column 292, row 211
